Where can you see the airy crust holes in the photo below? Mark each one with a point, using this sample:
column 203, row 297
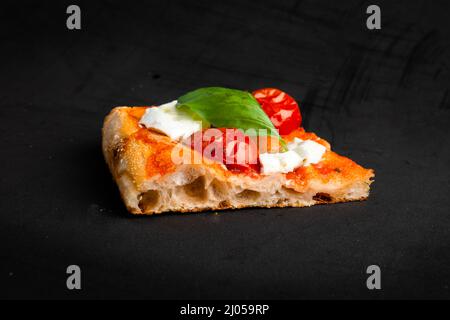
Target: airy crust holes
column 197, row 189
column 149, row 200
column 290, row 192
column 218, row 189
column 250, row 195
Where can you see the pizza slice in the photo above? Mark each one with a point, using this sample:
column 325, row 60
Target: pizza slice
column 217, row 148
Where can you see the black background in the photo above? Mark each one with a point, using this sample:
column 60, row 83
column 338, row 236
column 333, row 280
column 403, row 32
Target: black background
column 380, row 97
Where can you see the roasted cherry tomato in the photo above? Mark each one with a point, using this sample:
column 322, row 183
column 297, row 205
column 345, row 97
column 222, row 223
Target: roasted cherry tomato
column 281, row 108
column 231, row 147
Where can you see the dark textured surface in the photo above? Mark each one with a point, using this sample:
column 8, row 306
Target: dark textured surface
column 380, row 97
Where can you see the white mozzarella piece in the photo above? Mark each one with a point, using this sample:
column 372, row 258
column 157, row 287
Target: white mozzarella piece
column 279, row 162
column 171, row 121
column 309, row 150
column 300, row 153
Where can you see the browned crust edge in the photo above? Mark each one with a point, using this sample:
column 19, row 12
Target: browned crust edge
column 222, row 208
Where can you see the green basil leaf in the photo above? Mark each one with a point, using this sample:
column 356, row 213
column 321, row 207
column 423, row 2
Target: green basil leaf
column 228, row 108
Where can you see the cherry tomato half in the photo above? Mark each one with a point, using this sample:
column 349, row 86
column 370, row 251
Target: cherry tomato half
column 281, row 108
column 231, row 147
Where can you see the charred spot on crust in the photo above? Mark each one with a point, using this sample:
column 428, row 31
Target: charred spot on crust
column 322, row 197
column 224, row 204
column 149, row 200
column 197, row 189
column 116, row 151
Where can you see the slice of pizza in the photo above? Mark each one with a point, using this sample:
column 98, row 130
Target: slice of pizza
column 217, row 148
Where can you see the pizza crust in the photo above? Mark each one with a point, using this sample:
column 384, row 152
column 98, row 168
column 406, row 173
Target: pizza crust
column 206, row 186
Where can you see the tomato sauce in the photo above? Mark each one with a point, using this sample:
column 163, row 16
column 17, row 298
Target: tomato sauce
column 160, row 159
